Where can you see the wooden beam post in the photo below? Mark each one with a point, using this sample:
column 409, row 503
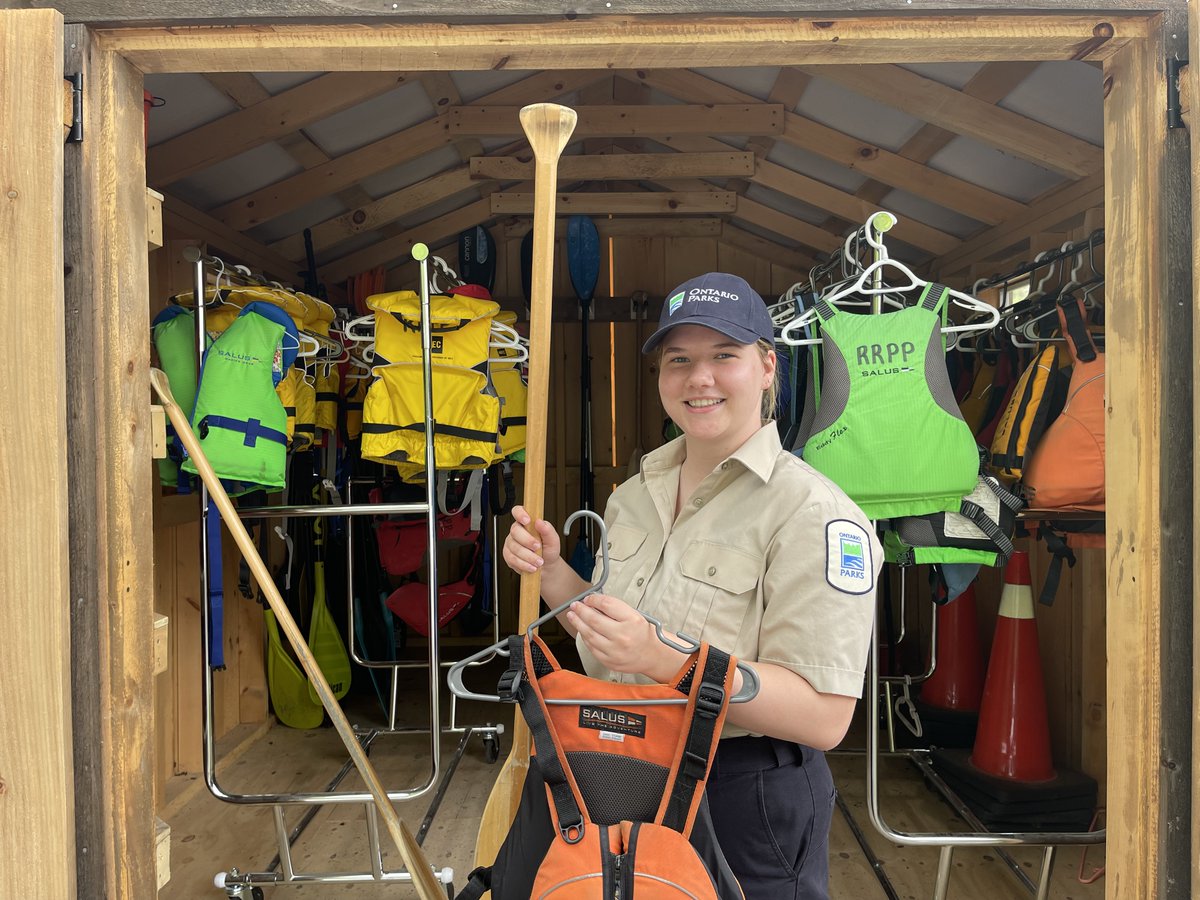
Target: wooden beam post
column 37, row 849
column 108, row 453
column 1140, row 505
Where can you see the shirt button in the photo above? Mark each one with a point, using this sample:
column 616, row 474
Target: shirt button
column 699, row 501
column 640, row 582
column 712, row 570
column 608, row 546
column 724, row 466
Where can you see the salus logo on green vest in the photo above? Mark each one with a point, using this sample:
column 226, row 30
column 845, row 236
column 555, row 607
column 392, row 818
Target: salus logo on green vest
column 893, row 355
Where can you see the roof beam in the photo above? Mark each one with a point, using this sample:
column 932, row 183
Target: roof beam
column 679, row 203
column 945, row 190
column 774, row 253
column 607, row 167
column 845, row 206
column 195, row 223
column 394, row 248
column 609, row 42
column 1053, row 208
column 991, row 84
column 265, row 121
column 630, row 121
column 957, row 112
column 639, row 227
column 292, row 193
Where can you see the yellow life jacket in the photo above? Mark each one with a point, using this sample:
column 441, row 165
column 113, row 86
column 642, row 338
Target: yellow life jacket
column 286, row 391
column 354, row 394
column 328, row 382
column 460, row 328
column 306, row 413
column 1035, row 402
column 514, row 399
column 466, row 410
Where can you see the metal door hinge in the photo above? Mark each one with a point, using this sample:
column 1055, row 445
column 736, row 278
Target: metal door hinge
column 75, row 135
column 1174, row 105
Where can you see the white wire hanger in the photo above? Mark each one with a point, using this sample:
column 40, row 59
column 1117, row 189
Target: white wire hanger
column 684, row 644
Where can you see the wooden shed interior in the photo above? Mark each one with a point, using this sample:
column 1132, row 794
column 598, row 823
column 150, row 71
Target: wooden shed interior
column 991, row 139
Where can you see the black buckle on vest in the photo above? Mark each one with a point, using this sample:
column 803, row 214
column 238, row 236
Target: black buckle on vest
column 572, row 832
column 710, row 700
column 510, row 683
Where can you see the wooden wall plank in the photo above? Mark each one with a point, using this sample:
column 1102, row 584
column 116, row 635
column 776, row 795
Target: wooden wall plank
column 1134, row 136
column 37, row 802
column 1191, row 90
column 111, row 474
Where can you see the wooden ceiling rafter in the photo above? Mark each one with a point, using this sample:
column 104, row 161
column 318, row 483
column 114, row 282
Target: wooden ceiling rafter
column 291, row 193
column 273, row 117
column 444, row 95
column 612, row 120
column 764, row 248
column 958, row 112
column 845, row 205
column 788, row 89
column 836, row 146
column 991, row 84
column 604, row 166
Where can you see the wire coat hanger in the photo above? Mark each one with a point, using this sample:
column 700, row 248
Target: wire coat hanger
column 688, row 644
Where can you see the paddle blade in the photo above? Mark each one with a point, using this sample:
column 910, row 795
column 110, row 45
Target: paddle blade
column 477, row 257
column 583, row 256
column 288, row 685
column 328, row 648
column 548, row 127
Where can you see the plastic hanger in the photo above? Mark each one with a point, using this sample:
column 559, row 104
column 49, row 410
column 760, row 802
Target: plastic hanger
column 859, row 286
column 505, row 337
column 685, row 644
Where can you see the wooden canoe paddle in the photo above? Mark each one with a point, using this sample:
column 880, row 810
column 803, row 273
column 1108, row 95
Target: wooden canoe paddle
column 548, row 127
column 428, row 887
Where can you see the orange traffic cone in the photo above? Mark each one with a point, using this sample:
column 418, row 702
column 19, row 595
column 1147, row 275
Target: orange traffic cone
column 1013, row 739
column 957, row 679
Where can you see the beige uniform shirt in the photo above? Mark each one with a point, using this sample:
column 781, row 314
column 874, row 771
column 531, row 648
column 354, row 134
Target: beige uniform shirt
column 768, row 560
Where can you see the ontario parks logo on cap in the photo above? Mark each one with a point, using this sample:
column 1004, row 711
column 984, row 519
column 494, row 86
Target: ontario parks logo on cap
column 673, row 303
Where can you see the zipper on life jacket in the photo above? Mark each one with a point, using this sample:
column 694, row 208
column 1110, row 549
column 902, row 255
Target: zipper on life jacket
column 617, row 860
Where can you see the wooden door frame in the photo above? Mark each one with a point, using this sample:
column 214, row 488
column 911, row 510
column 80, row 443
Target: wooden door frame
column 1146, row 439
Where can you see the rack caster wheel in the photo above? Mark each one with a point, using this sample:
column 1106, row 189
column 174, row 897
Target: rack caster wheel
column 491, row 748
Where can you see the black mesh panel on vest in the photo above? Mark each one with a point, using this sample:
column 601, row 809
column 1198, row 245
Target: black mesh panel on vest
column 617, row 788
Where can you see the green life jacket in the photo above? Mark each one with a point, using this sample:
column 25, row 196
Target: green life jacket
column 174, row 335
column 238, row 417
column 887, row 429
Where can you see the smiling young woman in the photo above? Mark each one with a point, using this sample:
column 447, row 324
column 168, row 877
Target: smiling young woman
column 726, row 536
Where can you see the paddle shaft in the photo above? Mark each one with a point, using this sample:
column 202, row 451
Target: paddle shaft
column 548, row 127
column 428, row 887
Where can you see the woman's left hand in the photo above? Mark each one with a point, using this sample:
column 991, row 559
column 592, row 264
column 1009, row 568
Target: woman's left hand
column 621, row 639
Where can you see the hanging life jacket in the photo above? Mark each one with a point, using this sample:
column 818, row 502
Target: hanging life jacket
column 1035, row 402
column 174, row 334
column 238, row 418
column 466, row 406
column 1067, row 468
column 612, row 804
column 887, row 429
column 980, row 532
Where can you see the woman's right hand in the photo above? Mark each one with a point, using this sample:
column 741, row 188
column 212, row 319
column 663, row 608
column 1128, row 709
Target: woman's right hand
column 525, row 553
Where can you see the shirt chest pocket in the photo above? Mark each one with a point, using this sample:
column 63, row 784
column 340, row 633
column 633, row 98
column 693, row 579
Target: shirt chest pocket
column 624, row 542
column 722, row 581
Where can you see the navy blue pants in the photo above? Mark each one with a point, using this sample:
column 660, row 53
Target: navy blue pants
column 772, row 806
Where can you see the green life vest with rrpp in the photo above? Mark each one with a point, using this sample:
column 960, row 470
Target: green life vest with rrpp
column 887, row 429
column 238, row 418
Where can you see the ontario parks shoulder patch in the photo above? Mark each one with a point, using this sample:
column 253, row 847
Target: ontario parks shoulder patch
column 848, row 564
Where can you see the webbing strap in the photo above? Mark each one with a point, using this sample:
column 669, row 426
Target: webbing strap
column 933, row 297
column 825, row 311
column 702, row 736
column 253, row 429
column 566, row 810
column 479, row 882
column 976, row 514
column 439, row 429
column 1081, row 342
column 1059, row 551
column 216, row 588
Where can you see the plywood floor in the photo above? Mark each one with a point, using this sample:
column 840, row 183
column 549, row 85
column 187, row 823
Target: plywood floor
column 209, row 836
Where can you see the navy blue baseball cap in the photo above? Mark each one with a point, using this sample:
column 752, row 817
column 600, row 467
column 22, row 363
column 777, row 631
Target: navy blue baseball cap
column 722, row 302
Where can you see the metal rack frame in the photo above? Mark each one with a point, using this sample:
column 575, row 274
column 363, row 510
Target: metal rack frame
column 238, row 884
